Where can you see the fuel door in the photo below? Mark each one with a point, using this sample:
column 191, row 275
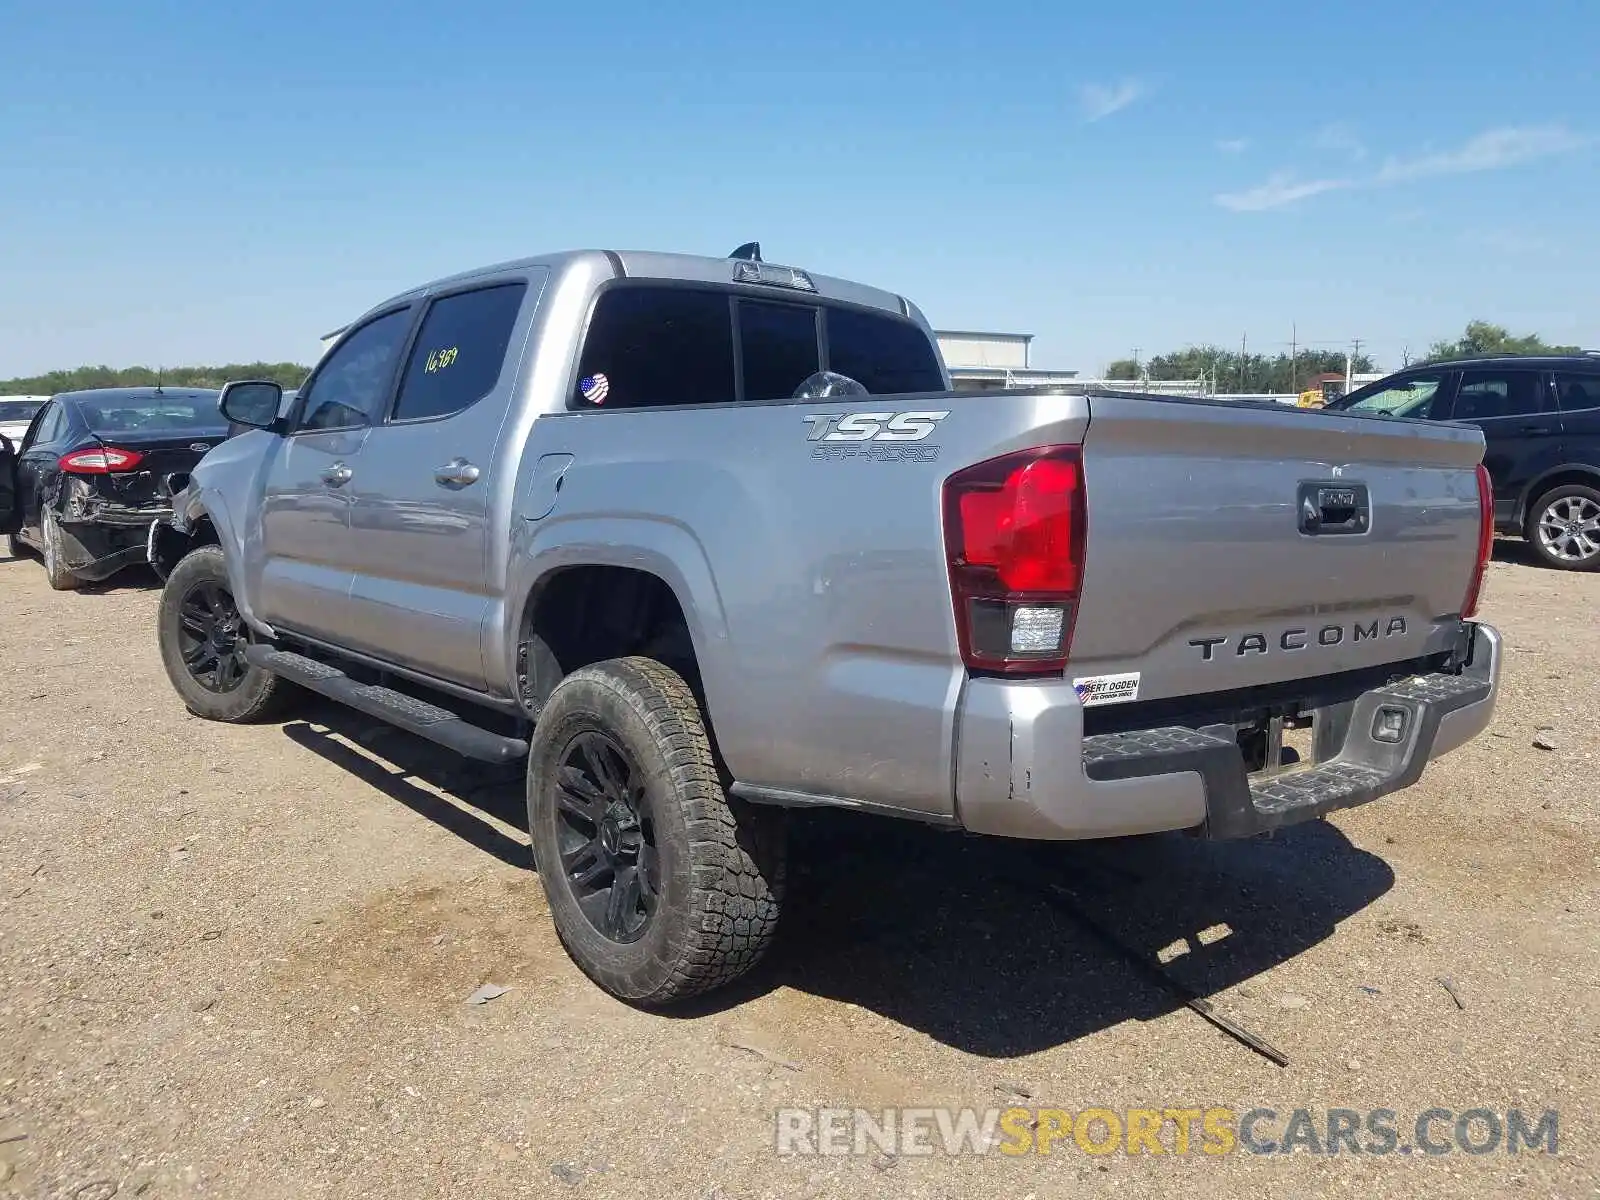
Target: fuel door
column 544, row 486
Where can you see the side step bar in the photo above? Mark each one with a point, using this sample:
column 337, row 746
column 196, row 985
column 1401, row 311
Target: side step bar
column 405, row 712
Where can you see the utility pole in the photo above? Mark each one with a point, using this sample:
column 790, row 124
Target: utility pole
column 1243, row 340
column 1294, row 358
column 1138, row 372
column 1349, row 362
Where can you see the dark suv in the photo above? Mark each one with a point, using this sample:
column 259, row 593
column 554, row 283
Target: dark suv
column 1541, row 421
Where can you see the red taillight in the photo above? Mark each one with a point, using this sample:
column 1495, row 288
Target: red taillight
column 1469, row 606
column 1014, row 537
column 103, row 461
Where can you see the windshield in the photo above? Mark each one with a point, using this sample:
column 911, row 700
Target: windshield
column 18, row 412
column 153, row 414
column 1405, row 398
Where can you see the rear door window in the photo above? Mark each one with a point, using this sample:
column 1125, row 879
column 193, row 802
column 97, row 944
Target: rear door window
column 777, row 348
column 649, row 347
column 1486, row 394
column 884, row 354
column 458, row 355
column 1575, row 393
column 48, row 425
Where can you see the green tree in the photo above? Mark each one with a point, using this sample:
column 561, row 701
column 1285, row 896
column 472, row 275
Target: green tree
column 289, row 375
column 1482, row 338
column 1277, row 373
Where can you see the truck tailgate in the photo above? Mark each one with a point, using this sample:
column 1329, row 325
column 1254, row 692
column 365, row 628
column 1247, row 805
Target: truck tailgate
column 1224, row 550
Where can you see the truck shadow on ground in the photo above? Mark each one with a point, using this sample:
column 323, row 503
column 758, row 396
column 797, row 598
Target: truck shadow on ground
column 952, row 935
column 414, row 772
column 957, row 937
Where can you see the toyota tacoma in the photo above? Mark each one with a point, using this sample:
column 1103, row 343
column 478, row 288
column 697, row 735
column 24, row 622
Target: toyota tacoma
column 705, row 540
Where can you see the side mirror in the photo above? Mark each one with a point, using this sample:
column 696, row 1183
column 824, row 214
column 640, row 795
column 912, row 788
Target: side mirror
column 253, row 403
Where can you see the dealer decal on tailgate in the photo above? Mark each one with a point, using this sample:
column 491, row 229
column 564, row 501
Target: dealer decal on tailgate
column 1107, row 689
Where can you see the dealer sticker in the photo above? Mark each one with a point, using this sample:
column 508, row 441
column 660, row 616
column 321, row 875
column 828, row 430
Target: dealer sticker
column 1107, row 689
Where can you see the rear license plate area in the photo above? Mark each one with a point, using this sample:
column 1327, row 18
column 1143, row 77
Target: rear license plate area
column 1277, row 745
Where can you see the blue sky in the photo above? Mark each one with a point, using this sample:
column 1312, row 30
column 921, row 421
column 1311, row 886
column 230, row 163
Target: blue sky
column 196, row 183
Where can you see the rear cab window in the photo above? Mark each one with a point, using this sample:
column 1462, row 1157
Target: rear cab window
column 654, row 345
column 778, row 348
column 883, row 354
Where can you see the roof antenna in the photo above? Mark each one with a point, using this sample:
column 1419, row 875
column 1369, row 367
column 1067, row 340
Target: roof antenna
column 750, row 251
column 159, row 370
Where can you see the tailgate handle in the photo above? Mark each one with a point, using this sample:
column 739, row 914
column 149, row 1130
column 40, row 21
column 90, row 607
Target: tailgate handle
column 1334, row 507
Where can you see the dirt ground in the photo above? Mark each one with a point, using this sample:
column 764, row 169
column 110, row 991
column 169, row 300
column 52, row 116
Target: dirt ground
column 234, row 962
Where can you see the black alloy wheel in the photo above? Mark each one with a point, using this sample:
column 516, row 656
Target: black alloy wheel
column 660, row 885
column 212, row 637
column 203, row 639
column 606, row 836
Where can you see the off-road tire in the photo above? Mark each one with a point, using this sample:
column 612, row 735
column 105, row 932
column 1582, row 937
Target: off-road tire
column 55, row 572
column 258, row 696
column 1579, row 496
column 720, row 863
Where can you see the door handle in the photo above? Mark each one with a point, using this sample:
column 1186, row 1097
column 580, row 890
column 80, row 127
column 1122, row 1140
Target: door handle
column 457, row 473
column 337, row 475
column 1537, row 429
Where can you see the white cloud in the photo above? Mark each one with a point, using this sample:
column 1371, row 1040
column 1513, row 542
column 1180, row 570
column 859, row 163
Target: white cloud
column 1233, row 145
column 1281, row 189
column 1339, row 138
column 1100, row 100
column 1492, row 150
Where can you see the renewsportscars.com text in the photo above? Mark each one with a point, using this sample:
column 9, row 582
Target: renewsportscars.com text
column 1211, row 1132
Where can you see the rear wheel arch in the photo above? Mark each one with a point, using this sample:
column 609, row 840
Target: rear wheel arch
column 580, row 614
column 1548, row 482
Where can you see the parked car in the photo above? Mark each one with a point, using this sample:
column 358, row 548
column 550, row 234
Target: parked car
column 16, row 412
column 1540, row 419
column 95, row 468
column 569, row 508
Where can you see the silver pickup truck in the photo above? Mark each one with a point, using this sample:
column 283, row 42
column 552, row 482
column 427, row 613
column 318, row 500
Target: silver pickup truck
column 571, row 508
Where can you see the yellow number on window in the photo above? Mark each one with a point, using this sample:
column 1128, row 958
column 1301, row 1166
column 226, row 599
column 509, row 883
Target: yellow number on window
column 438, row 360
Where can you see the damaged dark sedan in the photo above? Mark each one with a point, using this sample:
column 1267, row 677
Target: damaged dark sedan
column 96, row 468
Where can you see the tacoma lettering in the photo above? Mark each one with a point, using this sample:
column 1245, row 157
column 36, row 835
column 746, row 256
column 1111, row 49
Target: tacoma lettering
column 1292, row 640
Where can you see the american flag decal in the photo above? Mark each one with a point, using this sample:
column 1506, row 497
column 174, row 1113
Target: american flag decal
column 595, row 388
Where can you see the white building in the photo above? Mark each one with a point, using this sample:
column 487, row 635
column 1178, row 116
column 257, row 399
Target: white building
column 982, row 362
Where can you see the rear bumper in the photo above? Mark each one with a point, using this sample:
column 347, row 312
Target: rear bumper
column 1026, row 769
column 113, row 540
